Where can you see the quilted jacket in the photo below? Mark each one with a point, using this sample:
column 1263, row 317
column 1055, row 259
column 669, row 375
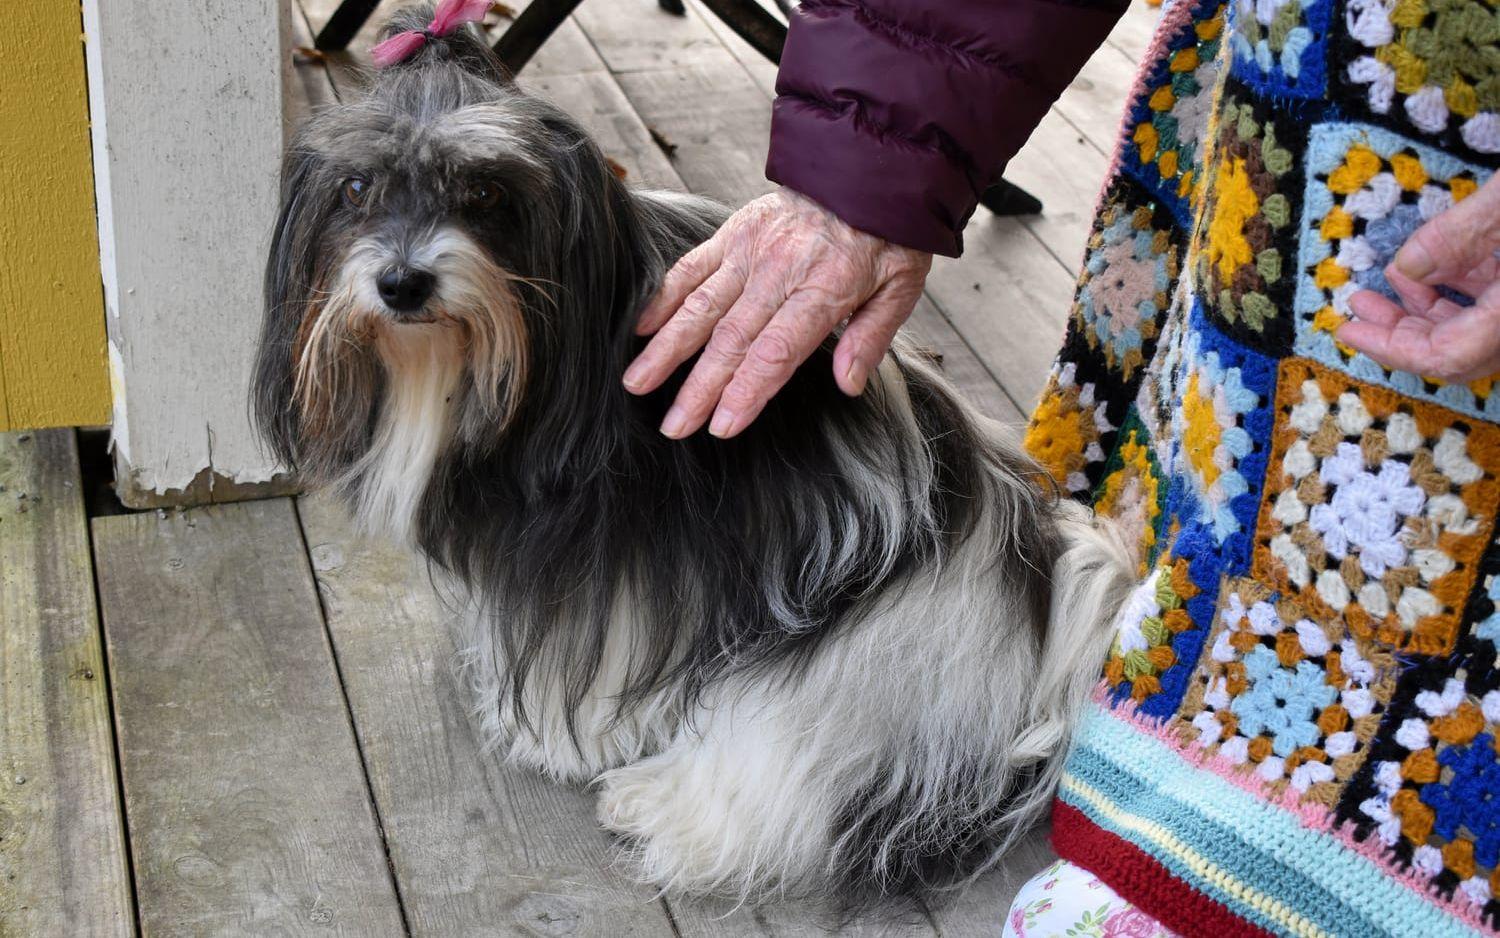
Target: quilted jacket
column 897, row 114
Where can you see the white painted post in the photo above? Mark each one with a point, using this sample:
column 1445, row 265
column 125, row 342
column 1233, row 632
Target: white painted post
column 186, row 102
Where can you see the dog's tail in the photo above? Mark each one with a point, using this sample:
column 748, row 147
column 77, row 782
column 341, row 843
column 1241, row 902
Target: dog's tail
column 1093, row 577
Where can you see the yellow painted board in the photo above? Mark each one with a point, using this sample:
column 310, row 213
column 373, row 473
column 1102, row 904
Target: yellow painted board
column 53, row 363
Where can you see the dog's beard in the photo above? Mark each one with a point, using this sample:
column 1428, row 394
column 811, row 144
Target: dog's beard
column 462, row 365
column 475, row 303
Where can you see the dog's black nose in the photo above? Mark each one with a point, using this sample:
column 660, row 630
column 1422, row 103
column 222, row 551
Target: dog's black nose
column 403, row 289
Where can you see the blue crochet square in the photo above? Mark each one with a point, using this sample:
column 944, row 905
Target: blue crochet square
column 1222, row 421
column 1367, row 189
column 1280, row 47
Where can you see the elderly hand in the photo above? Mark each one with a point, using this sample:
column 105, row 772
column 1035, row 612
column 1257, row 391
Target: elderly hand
column 759, row 297
column 1432, row 335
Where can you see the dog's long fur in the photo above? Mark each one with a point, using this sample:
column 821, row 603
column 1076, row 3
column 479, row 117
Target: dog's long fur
column 841, row 650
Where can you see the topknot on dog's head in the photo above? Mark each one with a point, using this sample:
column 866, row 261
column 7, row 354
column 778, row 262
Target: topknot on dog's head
column 465, row 48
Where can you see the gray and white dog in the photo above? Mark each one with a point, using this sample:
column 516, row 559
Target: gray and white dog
column 843, row 650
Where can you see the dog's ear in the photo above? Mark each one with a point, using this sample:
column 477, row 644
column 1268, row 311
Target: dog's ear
column 288, row 282
column 464, row 48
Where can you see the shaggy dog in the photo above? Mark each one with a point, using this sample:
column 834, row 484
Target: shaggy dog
column 841, row 651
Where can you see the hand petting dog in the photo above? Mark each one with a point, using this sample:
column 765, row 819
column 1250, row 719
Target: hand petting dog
column 759, row 297
column 1428, row 333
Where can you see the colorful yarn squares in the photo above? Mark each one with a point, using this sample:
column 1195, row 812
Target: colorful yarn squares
column 1246, row 239
column 1129, row 276
column 1156, row 399
column 1425, row 67
column 1431, row 786
column 1166, row 127
column 1280, row 47
column 1484, row 606
column 1134, row 492
column 1160, row 629
column 1222, row 394
column 1067, row 429
column 1073, row 427
column 1147, row 632
column 1291, row 699
column 1377, row 508
column 1367, row 190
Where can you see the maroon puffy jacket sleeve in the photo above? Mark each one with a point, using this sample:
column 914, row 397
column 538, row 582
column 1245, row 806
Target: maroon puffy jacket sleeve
column 897, row 114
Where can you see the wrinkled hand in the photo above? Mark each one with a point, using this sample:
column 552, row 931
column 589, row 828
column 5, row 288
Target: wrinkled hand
column 1429, row 334
column 759, row 297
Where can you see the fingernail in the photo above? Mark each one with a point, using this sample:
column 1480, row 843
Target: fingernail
column 855, row 376
column 675, row 424
column 723, row 424
column 635, row 375
column 1414, row 261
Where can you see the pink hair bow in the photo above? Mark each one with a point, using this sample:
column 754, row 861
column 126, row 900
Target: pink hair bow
column 450, row 15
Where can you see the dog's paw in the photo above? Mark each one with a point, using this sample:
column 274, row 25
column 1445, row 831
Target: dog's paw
column 633, row 799
column 677, row 835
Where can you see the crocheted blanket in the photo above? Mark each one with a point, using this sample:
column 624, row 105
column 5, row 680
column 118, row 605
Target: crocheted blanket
column 1296, row 731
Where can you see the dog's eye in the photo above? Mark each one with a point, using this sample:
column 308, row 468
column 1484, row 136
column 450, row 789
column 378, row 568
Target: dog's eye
column 355, row 190
column 485, row 195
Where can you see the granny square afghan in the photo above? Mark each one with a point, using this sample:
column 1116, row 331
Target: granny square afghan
column 1428, row 790
column 1298, row 726
column 1294, row 698
column 1134, row 491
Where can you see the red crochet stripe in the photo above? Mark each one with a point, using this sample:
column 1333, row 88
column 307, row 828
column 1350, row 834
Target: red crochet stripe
column 1141, row 880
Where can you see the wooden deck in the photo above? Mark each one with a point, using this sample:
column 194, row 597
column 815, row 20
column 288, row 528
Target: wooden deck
column 240, row 720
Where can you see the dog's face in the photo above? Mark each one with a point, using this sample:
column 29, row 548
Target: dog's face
column 441, row 221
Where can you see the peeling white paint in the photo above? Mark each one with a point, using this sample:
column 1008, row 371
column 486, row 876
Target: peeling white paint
column 186, row 105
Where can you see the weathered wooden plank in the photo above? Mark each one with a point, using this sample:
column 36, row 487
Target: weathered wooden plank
column 761, row 69
column 1009, row 298
column 62, row 847
column 1095, row 100
column 980, row 909
column 248, row 808
column 1062, row 168
column 802, row 919
column 478, row 848
column 633, row 37
column 713, row 118
column 961, row 364
column 1133, row 33
column 596, row 101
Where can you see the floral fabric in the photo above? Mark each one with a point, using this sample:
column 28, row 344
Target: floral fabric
column 1067, row 901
